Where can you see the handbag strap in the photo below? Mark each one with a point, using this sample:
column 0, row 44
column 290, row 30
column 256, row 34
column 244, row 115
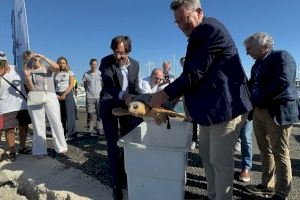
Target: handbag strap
column 15, row 88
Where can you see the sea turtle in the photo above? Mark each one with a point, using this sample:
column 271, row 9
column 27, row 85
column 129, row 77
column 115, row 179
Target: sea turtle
column 139, row 107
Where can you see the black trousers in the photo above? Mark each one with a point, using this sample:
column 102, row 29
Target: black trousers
column 67, row 113
column 111, row 126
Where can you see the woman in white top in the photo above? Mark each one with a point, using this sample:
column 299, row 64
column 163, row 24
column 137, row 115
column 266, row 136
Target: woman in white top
column 64, row 84
column 39, row 77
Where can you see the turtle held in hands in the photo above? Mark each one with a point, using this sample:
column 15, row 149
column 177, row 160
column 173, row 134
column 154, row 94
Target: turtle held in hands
column 139, row 107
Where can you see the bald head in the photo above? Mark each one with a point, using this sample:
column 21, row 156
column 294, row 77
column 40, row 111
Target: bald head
column 157, row 76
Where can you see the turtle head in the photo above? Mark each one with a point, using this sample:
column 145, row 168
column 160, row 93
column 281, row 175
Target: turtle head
column 138, row 108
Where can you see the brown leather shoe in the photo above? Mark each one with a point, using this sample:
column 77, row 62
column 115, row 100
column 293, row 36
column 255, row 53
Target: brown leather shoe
column 245, row 175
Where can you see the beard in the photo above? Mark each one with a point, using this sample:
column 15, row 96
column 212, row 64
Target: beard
column 122, row 62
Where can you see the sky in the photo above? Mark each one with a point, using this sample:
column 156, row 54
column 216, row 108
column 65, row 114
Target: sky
column 80, row 30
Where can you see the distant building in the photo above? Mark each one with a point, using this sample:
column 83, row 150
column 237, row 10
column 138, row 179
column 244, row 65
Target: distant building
column 80, row 98
column 298, row 83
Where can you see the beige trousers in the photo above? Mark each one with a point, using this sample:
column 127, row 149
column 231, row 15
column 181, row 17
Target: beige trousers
column 216, row 147
column 273, row 143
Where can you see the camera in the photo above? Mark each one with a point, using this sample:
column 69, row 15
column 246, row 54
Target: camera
column 166, row 77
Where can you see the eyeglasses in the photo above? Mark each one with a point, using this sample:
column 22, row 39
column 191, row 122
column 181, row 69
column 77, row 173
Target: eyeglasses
column 184, row 21
column 157, row 78
column 120, row 53
column 2, row 54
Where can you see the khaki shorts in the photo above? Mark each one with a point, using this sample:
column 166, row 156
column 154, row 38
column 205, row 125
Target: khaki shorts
column 14, row 119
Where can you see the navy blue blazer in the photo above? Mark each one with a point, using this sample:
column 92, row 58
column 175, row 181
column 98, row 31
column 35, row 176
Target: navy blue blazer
column 213, row 81
column 113, row 80
column 273, row 86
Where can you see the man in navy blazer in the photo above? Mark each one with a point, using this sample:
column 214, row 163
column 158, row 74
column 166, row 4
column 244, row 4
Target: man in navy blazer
column 120, row 83
column 274, row 96
column 214, row 86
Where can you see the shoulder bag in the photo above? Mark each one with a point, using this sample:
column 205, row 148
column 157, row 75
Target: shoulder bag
column 36, row 98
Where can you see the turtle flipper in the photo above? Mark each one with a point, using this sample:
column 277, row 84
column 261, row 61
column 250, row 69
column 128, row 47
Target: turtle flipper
column 168, row 112
column 120, row 112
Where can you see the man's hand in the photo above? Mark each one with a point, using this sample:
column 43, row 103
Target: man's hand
column 158, row 99
column 188, row 118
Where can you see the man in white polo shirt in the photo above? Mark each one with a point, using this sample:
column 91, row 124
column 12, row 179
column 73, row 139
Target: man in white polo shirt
column 93, row 86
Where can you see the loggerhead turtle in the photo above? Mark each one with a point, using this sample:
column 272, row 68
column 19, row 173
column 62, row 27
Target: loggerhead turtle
column 139, row 107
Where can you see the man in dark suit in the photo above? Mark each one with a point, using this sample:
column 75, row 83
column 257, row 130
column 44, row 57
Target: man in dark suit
column 214, row 86
column 120, row 83
column 274, row 96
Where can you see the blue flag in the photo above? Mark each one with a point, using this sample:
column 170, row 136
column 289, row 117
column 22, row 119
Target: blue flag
column 19, row 32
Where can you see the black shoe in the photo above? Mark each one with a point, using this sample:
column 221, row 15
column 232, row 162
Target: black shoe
column 261, row 191
column 12, row 156
column 117, row 193
column 95, row 134
column 24, row 150
column 124, row 181
column 71, row 138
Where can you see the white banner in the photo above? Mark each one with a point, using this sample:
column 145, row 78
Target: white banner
column 19, row 31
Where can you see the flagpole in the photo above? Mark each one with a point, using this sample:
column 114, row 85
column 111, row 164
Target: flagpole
column 13, row 25
column 20, row 32
column 26, row 25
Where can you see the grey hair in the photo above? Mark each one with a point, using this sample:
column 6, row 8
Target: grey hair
column 167, row 62
column 260, row 39
column 189, row 4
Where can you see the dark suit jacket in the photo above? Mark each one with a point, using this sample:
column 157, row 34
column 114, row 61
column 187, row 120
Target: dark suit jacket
column 213, row 80
column 113, row 80
column 273, row 86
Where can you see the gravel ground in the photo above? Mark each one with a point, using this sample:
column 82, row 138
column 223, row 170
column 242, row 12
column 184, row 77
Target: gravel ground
column 88, row 153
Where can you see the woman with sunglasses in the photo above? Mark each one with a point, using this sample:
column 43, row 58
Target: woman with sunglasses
column 39, row 72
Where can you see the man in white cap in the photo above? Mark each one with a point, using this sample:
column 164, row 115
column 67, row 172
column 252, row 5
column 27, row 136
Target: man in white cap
column 13, row 107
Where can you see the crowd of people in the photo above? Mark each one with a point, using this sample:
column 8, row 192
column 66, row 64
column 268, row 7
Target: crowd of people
column 219, row 100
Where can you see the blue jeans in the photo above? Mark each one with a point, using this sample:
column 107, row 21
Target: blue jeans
column 246, row 144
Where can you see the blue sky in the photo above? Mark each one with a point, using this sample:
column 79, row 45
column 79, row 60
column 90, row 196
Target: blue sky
column 80, row 30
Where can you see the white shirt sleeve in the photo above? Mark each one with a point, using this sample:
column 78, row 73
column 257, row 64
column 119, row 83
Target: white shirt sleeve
column 172, row 78
column 121, row 95
column 145, row 87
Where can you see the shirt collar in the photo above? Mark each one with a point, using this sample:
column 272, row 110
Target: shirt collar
column 125, row 66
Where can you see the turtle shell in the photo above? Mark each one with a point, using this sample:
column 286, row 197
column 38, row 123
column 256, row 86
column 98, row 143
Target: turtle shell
column 146, row 98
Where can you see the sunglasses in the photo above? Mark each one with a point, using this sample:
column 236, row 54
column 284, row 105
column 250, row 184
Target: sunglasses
column 31, row 63
column 2, row 63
